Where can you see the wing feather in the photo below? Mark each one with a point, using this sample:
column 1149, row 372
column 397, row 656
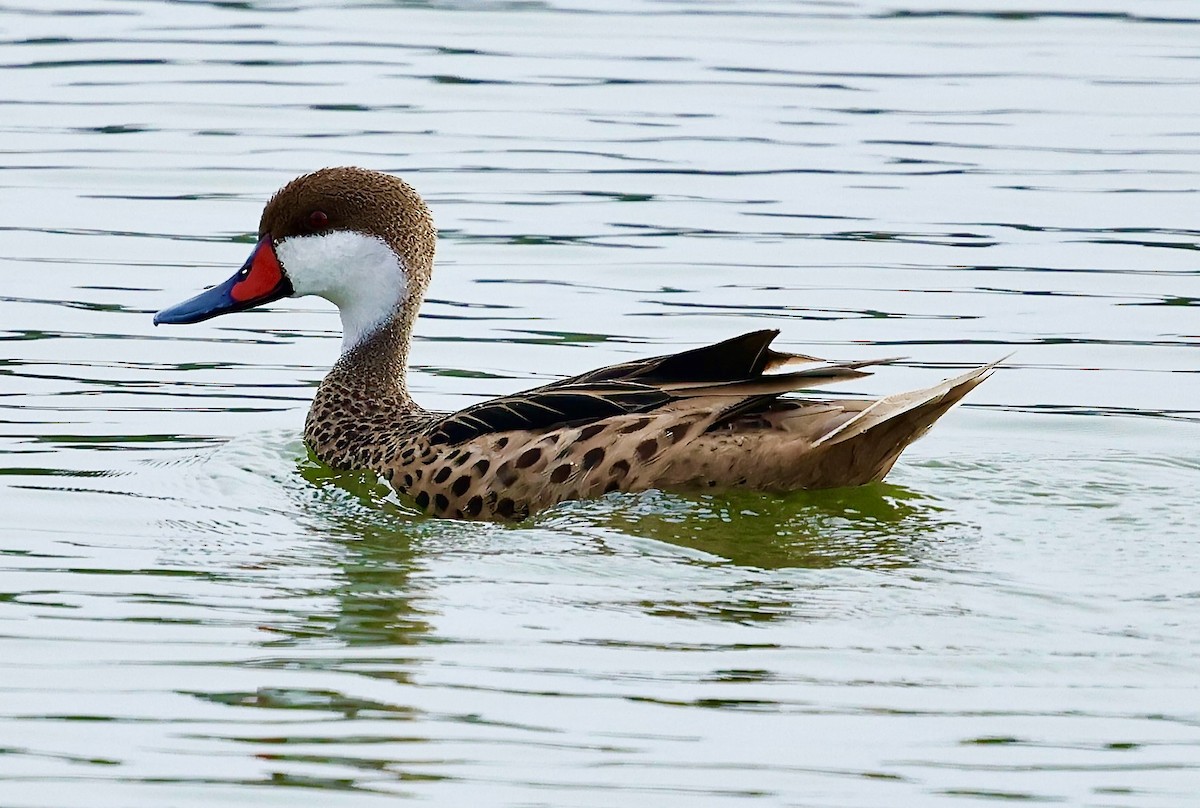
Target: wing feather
column 743, row 371
column 546, row 407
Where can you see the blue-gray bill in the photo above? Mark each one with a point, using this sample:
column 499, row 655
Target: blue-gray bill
column 260, row 280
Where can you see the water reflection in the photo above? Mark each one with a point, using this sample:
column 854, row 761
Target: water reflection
column 381, row 599
column 377, row 601
column 879, row 526
column 355, row 614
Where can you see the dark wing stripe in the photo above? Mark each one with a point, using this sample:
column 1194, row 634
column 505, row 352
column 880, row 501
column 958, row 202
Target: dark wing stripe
column 545, row 408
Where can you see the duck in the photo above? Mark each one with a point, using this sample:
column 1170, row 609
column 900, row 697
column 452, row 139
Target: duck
column 706, row 420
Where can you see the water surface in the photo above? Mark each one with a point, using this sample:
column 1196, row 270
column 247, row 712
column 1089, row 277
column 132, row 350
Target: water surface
column 193, row 613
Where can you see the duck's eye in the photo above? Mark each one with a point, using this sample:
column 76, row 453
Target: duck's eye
column 317, row 220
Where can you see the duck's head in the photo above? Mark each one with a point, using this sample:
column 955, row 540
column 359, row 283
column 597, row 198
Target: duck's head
column 360, row 239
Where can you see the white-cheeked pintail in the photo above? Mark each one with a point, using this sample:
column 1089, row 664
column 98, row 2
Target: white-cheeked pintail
column 709, row 419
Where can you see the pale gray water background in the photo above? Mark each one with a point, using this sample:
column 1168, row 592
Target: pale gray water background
column 191, row 614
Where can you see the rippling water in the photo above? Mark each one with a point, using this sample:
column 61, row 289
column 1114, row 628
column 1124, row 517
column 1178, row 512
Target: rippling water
column 193, row 613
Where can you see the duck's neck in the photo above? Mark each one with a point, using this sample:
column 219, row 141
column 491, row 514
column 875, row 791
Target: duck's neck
column 363, row 403
column 377, row 364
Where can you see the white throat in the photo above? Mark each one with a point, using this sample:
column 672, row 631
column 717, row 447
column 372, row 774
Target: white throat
column 359, row 274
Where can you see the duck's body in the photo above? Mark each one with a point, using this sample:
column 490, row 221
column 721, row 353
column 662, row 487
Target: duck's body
column 710, row 419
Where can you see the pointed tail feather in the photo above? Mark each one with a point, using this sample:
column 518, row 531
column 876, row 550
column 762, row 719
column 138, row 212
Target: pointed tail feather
column 813, row 373
column 930, row 403
column 864, row 448
column 816, row 375
column 777, row 362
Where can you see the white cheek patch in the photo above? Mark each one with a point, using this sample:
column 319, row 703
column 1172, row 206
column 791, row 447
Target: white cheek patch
column 359, row 274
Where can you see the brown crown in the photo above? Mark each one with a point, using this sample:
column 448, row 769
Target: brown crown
column 357, row 199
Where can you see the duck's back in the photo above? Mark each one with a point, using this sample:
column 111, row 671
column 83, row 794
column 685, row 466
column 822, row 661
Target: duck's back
column 705, row 420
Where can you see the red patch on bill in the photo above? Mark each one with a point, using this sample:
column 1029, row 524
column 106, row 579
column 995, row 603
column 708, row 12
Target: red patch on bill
column 264, row 275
